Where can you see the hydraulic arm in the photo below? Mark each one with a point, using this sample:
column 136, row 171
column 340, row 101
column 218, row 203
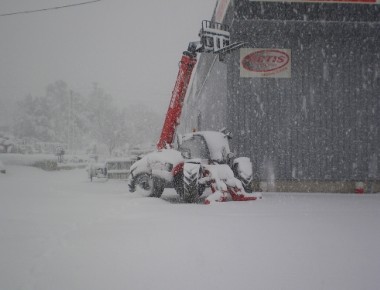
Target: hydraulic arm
column 214, row 38
column 173, row 114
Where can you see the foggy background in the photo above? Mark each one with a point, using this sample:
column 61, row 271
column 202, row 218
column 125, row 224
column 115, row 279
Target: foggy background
column 129, row 49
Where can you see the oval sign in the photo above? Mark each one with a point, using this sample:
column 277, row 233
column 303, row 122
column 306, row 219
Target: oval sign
column 265, row 60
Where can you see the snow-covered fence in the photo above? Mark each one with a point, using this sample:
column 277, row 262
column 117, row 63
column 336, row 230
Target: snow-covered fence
column 118, row 168
column 25, row 159
column 44, row 161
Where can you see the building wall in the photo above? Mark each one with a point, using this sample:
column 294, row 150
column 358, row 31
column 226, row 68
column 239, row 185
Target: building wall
column 206, row 104
column 322, row 124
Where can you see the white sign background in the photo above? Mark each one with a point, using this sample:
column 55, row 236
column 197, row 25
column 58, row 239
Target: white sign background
column 265, row 63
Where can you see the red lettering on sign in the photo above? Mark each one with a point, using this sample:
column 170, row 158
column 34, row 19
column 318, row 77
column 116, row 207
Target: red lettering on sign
column 265, row 60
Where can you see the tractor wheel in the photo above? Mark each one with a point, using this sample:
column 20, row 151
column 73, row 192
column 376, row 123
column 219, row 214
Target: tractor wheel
column 247, row 183
column 245, row 176
column 178, row 183
column 151, row 186
column 191, row 187
column 158, row 187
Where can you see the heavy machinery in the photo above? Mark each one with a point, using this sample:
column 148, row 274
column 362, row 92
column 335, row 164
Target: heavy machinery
column 201, row 159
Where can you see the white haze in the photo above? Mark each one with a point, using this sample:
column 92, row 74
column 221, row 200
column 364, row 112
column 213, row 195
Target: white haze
column 130, row 48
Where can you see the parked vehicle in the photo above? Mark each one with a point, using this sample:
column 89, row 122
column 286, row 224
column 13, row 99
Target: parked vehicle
column 119, row 168
column 98, row 170
column 110, row 169
column 203, row 158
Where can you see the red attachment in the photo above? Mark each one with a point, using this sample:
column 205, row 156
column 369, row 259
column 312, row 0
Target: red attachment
column 359, row 187
column 178, row 168
column 359, row 190
column 236, row 196
column 176, row 103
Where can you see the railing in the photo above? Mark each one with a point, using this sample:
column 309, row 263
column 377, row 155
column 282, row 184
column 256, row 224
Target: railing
column 206, row 24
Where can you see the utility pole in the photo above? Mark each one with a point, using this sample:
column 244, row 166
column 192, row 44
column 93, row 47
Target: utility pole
column 70, row 135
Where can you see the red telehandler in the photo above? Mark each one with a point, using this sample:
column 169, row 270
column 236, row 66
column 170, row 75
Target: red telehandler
column 202, row 159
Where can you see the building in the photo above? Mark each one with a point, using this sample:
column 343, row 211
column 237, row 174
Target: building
column 302, row 98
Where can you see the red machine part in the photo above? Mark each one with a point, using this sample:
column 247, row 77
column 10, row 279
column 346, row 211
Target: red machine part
column 173, row 114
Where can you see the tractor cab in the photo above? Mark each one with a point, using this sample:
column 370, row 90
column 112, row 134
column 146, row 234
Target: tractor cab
column 206, row 145
column 195, row 147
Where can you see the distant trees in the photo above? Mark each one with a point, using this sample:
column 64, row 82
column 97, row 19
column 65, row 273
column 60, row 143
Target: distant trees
column 32, row 119
column 65, row 116
column 108, row 124
column 144, row 123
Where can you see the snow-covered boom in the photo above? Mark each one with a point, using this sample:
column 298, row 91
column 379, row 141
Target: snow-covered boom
column 203, row 159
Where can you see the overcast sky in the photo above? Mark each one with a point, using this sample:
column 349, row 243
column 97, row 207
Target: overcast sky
column 130, row 48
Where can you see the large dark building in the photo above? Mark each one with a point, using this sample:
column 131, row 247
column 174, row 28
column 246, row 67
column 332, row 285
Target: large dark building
column 302, row 98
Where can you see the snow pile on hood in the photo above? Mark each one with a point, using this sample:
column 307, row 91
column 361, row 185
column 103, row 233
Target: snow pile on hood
column 165, row 158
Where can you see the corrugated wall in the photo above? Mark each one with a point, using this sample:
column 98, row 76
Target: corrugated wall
column 322, row 123
column 206, row 104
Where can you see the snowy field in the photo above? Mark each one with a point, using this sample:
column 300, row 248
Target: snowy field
column 59, row 231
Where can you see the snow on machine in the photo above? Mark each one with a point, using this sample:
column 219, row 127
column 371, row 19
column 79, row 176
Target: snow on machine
column 202, row 159
column 208, row 162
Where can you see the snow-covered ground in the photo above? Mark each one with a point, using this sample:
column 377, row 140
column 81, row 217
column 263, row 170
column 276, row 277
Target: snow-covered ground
column 60, row 231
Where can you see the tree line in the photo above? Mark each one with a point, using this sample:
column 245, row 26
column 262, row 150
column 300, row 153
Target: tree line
column 65, row 116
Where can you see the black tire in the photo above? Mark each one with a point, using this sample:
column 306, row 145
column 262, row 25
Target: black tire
column 158, row 187
column 247, row 184
column 153, row 186
column 178, row 183
column 192, row 190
